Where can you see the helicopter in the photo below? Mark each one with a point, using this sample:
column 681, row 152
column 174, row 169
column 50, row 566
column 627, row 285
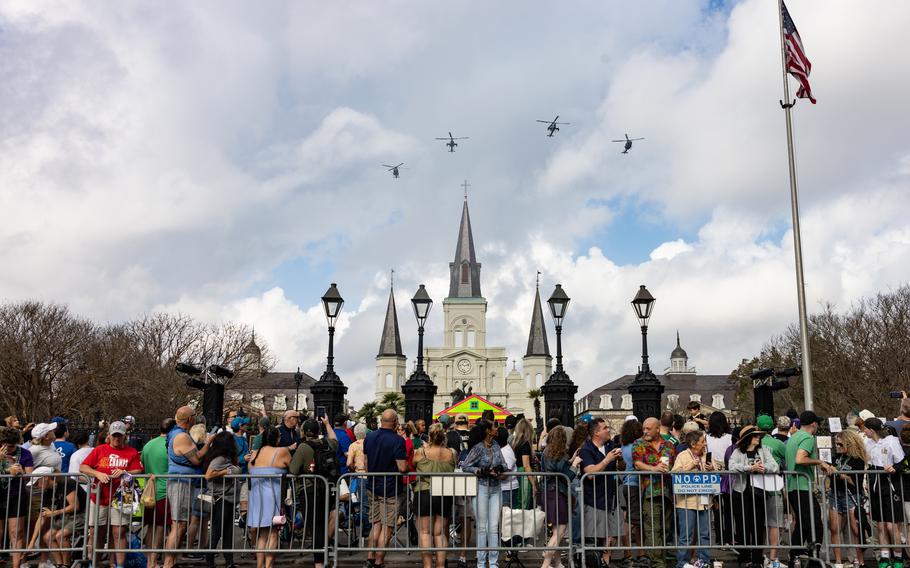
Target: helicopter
column 451, row 141
column 628, row 145
column 552, row 128
column 393, row 169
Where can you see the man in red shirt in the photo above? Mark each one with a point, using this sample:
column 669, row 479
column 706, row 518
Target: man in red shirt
column 107, row 464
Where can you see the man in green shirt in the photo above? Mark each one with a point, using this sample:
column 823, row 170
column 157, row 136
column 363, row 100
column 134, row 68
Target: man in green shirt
column 778, row 449
column 154, row 462
column 666, row 427
column 802, row 457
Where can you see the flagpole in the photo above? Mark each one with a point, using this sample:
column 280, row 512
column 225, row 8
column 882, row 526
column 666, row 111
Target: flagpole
column 787, row 105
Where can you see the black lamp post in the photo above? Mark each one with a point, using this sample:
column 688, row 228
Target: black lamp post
column 559, row 390
column 646, row 389
column 329, row 391
column 419, row 391
column 298, row 378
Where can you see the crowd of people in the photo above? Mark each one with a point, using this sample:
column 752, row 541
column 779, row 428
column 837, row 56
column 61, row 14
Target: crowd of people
column 614, row 489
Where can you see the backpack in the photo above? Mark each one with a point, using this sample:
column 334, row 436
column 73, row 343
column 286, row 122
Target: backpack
column 325, row 460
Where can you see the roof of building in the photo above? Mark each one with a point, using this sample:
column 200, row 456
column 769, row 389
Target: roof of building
column 537, row 337
column 251, row 347
column 271, row 381
column 464, row 254
column 704, row 385
column 390, row 344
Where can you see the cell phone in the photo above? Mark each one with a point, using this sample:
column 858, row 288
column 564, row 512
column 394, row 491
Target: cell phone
column 896, row 394
column 320, row 412
column 708, row 457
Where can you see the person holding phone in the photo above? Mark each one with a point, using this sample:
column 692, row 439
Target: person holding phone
column 693, row 518
column 602, row 519
column 751, row 458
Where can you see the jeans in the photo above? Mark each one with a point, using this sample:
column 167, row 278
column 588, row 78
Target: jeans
column 510, row 498
column 692, row 521
column 487, row 509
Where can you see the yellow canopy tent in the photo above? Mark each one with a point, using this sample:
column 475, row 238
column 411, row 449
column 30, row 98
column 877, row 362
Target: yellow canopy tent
column 473, row 408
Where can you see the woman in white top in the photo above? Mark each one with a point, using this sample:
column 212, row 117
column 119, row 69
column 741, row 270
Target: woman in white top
column 719, row 440
column 509, row 483
column 885, row 452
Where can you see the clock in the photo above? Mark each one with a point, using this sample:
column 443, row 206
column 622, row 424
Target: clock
column 464, row 366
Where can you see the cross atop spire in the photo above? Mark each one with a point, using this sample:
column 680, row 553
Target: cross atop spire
column 538, row 280
column 392, row 278
column 465, row 185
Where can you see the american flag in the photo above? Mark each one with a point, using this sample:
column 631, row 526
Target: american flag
column 798, row 64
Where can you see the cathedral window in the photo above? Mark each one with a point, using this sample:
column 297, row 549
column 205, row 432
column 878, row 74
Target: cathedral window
column 388, row 381
column 472, row 338
column 538, row 380
column 459, row 338
column 464, row 273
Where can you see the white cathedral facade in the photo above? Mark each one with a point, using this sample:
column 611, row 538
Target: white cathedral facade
column 464, row 360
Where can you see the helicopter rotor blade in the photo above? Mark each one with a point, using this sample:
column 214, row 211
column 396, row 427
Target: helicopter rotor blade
column 387, row 166
column 631, row 139
column 617, row 140
column 546, row 121
column 399, row 165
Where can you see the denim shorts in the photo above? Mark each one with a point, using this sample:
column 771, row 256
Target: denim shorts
column 842, row 501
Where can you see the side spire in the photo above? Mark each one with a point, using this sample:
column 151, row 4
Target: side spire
column 537, row 338
column 464, row 279
column 390, row 344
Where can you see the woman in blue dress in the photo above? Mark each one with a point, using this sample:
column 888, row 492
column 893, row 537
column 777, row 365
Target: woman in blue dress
column 265, row 495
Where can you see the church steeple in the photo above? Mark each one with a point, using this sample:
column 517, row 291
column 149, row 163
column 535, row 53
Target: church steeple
column 537, row 338
column 464, row 281
column 390, row 344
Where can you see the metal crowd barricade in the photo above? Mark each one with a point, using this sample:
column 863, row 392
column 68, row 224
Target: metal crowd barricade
column 865, row 511
column 454, row 513
column 694, row 514
column 44, row 516
column 265, row 515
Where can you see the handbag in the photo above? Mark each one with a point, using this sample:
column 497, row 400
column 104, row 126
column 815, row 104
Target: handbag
column 527, row 524
column 206, row 500
column 149, row 494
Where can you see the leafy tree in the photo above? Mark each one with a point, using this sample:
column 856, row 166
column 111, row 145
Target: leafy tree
column 858, row 357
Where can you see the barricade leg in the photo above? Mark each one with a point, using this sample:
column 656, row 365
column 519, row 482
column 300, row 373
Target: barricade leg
column 653, row 529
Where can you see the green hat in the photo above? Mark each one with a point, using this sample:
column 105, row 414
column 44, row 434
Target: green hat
column 765, row 423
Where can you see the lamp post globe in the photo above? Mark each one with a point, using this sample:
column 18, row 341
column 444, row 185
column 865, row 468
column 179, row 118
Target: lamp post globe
column 559, row 390
column 646, row 389
column 419, row 391
column 329, row 391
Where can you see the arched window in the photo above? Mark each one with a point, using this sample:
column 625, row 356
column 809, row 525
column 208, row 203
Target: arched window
column 538, row 380
column 606, row 402
column 472, row 338
column 465, row 272
column 388, row 381
column 459, row 338
column 695, row 397
column 717, row 401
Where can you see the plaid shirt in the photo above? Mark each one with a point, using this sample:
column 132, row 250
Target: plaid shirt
column 643, row 451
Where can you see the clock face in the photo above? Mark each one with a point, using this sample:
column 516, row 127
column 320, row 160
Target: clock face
column 464, row 366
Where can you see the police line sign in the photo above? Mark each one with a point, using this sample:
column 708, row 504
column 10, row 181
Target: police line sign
column 696, row 483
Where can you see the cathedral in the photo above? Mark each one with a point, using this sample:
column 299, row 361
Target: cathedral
column 464, row 364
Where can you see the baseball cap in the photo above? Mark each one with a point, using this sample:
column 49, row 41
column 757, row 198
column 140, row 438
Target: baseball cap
column 461, row 419
column 117, row 427
column 59, row 420
column 765, row 423
column 239, row 422
column 38, row 471
column 874, row 424
column 41, row 430
column 866, row 414
column 630, row 417
column 807, row 417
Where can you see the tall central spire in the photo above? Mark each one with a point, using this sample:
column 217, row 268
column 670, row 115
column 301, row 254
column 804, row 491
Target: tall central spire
column 537, row 338
column 464, row 281
column 390, row 344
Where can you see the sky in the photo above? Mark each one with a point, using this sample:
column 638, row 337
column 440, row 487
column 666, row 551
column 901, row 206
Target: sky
column 222, row 160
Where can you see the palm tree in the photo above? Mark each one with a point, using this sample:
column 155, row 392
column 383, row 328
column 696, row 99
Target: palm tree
column 535, row 394
column 368, row 410
column 393, row 400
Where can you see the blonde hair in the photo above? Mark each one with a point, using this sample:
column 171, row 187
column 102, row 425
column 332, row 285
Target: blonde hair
column 197, row 433
column 523, row 433
column 853, row 445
